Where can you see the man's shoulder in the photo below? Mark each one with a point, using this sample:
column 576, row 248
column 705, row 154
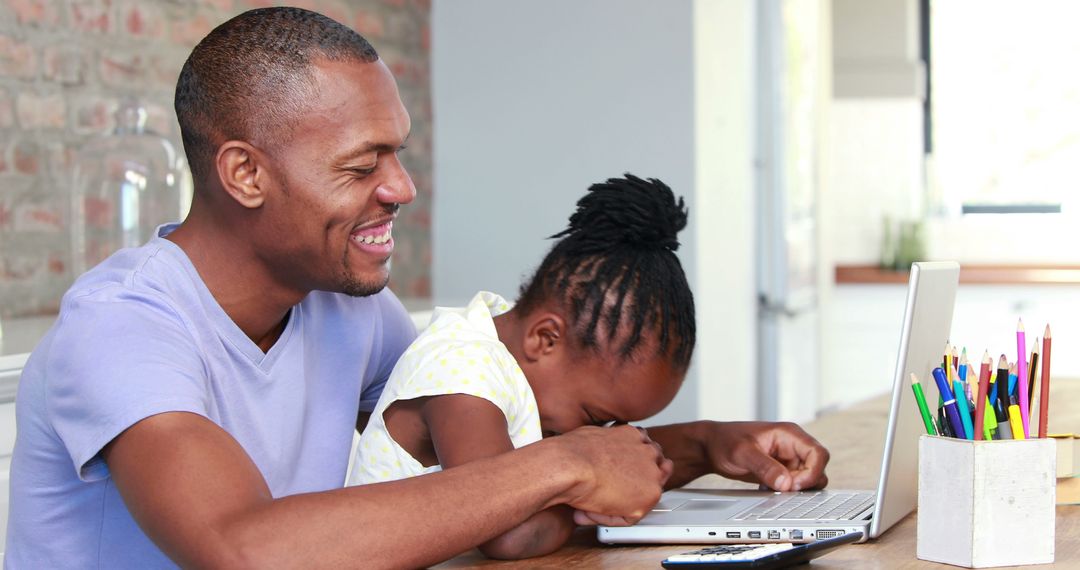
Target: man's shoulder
column 152, row 271
column 137, row 293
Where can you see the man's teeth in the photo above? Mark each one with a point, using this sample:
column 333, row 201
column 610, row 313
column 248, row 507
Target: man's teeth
column 374, row 239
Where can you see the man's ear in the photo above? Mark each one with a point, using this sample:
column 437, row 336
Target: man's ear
column 545, row 336
column 241, row 173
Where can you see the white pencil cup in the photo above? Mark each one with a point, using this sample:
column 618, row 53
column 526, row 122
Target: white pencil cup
column 986, row 503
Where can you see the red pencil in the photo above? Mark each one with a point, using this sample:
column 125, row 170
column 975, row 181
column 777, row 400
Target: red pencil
column 1044, row 388
column 982, row 393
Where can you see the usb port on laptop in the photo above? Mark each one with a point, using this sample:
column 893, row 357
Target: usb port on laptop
column 734, row 535
column 754, row 534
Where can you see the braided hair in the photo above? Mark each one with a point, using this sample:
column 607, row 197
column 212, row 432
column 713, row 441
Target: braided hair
column 615, row 265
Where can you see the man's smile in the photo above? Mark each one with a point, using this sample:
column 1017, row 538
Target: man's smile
column 374, row 239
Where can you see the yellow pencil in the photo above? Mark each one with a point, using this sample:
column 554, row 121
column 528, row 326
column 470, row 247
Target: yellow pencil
column 1015, row 422
column 948, row 362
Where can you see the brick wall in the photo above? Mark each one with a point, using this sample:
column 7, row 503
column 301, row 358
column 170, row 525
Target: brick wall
column 64, row 66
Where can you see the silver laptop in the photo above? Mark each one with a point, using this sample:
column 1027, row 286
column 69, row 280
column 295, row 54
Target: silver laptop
column 699, row 516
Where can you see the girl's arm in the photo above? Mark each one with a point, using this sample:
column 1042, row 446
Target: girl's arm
column 467, row 428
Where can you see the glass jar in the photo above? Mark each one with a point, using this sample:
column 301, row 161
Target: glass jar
column 124, row 185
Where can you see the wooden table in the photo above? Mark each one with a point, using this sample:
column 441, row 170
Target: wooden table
column 851, row 467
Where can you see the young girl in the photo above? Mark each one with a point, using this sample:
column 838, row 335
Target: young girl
column 602, row 333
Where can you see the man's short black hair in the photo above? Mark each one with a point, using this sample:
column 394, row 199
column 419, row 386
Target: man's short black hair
column 252, row 74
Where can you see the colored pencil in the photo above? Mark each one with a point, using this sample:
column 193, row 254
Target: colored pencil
column 920, row 399
column 1033, row 367
column 1003, row 386
column 1001, row 417
column 967, row 377
column 991, row 424
column 981, row 394
column 1021, row 372
column 1014, row 420
column 964, row 410
column 993, row 388
column 945, row 366
column 1044, row 387
column 972, row 378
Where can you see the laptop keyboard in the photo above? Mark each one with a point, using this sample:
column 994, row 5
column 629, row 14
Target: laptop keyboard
column 817, row 506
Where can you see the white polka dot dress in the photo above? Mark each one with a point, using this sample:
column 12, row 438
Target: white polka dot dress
column 458, row 353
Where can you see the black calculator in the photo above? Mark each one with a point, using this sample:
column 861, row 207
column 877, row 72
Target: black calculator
column 757, row 556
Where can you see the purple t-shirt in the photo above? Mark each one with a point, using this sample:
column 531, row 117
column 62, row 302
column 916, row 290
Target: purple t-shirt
column 140, row 335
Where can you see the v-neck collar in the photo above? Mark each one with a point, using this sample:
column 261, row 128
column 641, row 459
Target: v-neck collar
column 227, row 327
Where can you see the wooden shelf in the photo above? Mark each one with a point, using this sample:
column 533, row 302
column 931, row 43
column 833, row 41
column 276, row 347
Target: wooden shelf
column 969, row 274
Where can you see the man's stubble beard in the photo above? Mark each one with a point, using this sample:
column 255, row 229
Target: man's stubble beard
column 354, row 287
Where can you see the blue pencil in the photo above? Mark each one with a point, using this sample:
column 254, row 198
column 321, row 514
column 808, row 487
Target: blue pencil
column 965, row 410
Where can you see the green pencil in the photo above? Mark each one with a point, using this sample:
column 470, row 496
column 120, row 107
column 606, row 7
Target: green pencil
column 921, row 400
column 990, row 422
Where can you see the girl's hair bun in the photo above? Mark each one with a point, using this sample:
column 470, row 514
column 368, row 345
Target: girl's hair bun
column 643, row 214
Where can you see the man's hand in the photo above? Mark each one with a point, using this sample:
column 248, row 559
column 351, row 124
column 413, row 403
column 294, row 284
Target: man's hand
column 777, row 454
column 628, row 472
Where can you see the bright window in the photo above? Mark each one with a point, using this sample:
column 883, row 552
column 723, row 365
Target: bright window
column 1005, row 103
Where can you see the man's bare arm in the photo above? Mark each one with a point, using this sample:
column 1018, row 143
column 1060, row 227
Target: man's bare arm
column 200, row 498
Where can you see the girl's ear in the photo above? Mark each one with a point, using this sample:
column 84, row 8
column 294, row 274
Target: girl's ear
column 545, row 336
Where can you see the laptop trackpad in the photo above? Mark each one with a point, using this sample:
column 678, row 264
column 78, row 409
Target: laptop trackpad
column 681, row 510
column 714, row 506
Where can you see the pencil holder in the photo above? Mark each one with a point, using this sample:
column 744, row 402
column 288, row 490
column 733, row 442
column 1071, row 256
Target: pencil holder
column 986, row 503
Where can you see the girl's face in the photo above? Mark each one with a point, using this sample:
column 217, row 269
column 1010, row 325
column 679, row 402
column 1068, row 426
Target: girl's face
column 598, row 388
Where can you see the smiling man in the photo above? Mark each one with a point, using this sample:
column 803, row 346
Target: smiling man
column 195, row 402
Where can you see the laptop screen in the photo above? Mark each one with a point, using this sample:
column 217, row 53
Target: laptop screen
column 927, row 321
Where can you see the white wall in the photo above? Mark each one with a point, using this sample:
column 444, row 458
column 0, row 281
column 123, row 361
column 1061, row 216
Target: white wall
column 534, row 101
column 723, row 216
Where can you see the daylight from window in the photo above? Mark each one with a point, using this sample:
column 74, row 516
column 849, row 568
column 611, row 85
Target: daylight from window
column 1006, row 102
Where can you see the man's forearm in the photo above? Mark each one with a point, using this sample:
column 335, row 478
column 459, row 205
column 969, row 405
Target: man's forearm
column 200, row 498
column 407, row 523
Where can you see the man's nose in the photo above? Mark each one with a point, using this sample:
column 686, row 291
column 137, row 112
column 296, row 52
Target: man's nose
column 398, row 186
